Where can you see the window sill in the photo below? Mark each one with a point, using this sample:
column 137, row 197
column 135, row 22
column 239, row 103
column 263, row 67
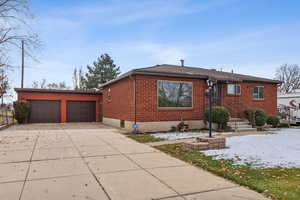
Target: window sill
column 175, row 108
column 233, row 95
column 258, row 99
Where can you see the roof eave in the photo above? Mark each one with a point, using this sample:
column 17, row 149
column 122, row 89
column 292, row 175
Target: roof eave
column 39, row 90
column 263, row 81
column 173, row 74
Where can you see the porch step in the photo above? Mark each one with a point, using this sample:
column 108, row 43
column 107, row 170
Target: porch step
column 236, row 119
column 231, row 123
column 240, row 125
column 245, row 129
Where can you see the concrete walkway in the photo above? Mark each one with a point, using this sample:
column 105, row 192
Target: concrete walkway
column 92, row 161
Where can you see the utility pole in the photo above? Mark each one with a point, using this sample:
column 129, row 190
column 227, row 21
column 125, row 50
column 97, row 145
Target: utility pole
column 22, row 78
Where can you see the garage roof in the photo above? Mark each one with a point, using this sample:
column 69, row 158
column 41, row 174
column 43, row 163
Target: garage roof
column 38, row 90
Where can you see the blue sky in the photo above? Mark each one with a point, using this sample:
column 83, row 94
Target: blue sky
column 251, row 37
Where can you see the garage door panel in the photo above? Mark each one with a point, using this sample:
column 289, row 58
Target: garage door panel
column 44, row 111
column 81, row 111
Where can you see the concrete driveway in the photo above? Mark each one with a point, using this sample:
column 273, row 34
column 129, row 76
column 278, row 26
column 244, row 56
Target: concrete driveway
column 90, row 161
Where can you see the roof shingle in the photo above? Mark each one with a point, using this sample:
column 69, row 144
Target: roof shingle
column 191, row 72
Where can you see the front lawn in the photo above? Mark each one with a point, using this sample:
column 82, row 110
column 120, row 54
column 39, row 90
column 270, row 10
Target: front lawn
column 278, row 183
column 145, row 138
column 265, row 150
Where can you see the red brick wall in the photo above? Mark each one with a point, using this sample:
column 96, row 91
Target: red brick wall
column 268, row 104
column 64, row 98
column 147, row 107
column 119, row 104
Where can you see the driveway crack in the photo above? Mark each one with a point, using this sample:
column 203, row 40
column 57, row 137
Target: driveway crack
column 90, row 170
column 28, row 170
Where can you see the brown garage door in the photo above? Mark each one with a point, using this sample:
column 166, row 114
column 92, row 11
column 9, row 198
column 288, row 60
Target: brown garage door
column 44, row 111
column 81, row 111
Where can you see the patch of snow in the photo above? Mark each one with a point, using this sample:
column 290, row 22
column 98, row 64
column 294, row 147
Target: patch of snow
column 181, row 135
column 267, row 151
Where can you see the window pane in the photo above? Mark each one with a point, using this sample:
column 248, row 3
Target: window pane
column 238, row 89
column 230, row 89
column 174, row 94
column 258, row 92
column 233, row 89
column 261, row 92
column 255, row 92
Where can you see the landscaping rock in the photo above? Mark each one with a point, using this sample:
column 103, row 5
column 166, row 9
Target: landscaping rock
column 206, row 143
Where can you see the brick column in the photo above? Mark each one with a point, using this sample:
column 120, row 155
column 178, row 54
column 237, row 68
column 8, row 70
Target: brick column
column 97, row 111
column 63, row 111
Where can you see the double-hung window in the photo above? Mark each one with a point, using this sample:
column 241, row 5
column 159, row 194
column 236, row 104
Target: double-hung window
column 258, row 92
column 233, row 89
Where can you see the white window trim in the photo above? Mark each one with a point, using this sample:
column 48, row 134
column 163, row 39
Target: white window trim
column 258, row 93
column 234, row 88
column 174, row 108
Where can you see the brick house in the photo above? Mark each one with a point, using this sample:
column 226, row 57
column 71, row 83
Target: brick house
column 159, row 97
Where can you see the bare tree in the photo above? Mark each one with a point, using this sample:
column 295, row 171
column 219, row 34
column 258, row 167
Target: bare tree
column 60, row 86
column 44, row 85
column 4, row 84
column 78, row 79
column 14, row 15
column 14, row 28
column 40, row 84
column 289, row 75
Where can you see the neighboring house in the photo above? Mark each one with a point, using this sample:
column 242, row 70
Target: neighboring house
column 159, row 97
column 289, row 106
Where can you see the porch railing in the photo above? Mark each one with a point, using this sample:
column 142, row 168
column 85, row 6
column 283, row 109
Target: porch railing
column 236, row 110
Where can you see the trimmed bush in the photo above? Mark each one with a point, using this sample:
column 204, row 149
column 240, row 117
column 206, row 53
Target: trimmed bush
column 260, row 117
column 273, row 120
column 21, row 110
column 250, row 116
column 220, row 116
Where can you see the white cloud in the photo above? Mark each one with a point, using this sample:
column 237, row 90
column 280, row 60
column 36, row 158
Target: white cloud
column 124, row 12
column 161, row 53
column 74, row 39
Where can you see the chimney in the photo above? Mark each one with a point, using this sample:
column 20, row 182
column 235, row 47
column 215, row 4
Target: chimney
column 182, row 62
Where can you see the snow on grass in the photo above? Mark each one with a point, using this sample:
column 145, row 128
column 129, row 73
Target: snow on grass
column 180, row 135
column 267, row 151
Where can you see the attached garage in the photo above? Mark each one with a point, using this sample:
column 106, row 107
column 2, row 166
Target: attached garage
column 43, row 111
column 54, row 106
column 81, row 111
